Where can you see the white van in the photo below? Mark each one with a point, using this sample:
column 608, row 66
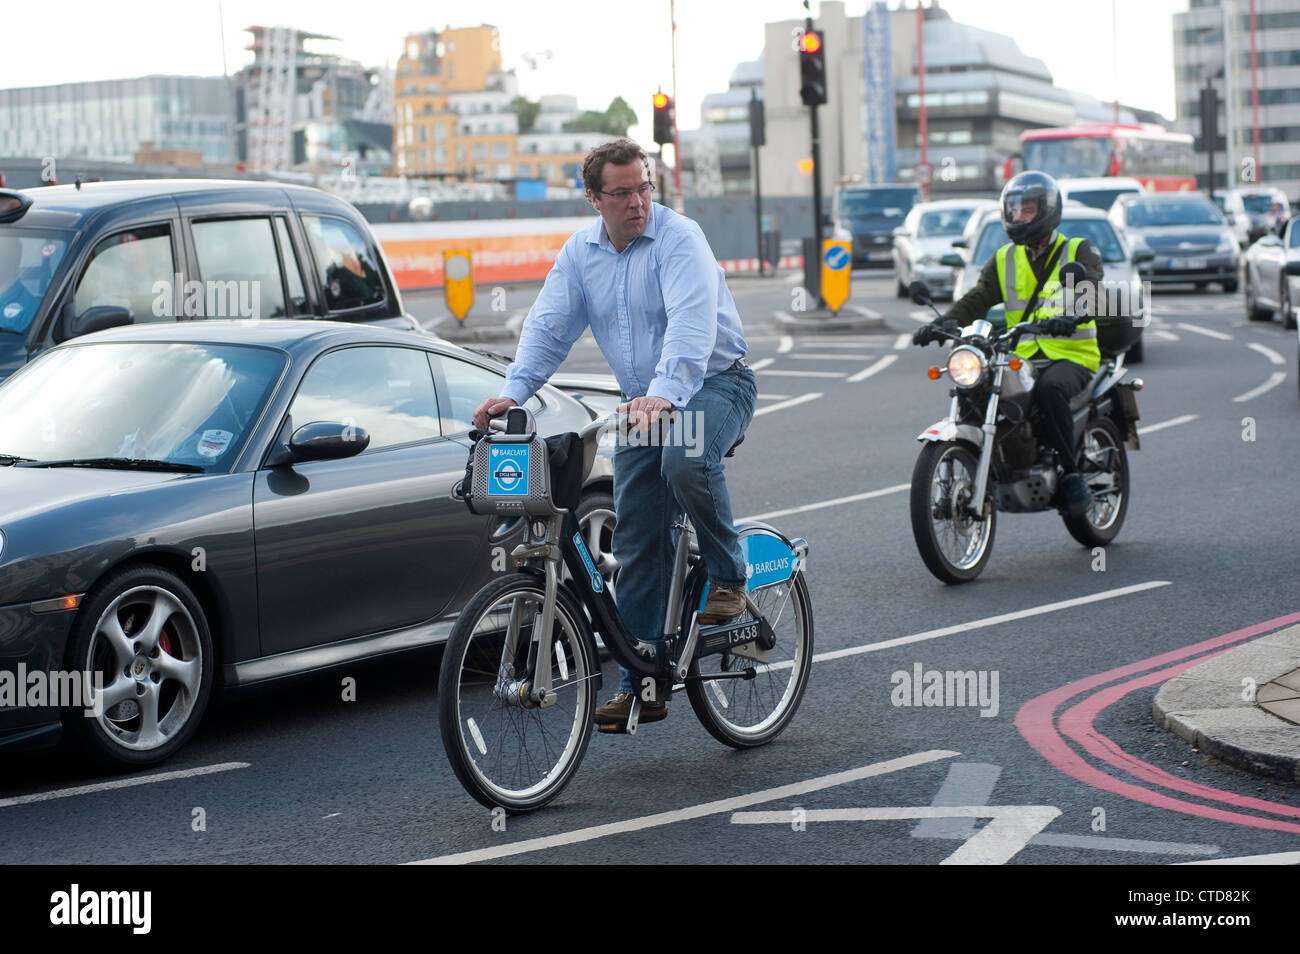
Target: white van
column 1099, row 193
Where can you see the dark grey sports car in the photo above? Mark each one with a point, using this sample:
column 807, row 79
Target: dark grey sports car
column 191, row 504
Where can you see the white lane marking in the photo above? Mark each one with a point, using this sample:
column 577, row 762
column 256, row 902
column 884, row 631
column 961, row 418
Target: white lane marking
column 804, row 374
column 1274, row 379
column 331, row 815
column 784, row 344
column 843, row 356
column 987, row 621
column 1204, row 331
column 761, row 363
column 921, row 315
column 1267, row 352
column 121, row 783
column 804, row 508
column 845, row 342
column 721, row 806
column 1172, row 422
column 902, row 341
column 1009, row 830
column 1274, row 858
column 1161, row 335
column 968, row 783
column 801, row 399
column 1138, row 845
column 773, row 397
column 871, row 369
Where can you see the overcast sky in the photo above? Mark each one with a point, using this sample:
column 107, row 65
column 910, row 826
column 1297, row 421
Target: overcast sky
column 598, row 50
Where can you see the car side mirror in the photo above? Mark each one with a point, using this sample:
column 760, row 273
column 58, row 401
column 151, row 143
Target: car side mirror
column 919, row 292
column 900, row 232
column 328, row 440
column 959, row 243
column 91, row 320
column 1141, row 255
column 952, row 260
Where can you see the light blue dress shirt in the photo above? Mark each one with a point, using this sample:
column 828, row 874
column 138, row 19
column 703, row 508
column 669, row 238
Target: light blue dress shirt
column 660, row 311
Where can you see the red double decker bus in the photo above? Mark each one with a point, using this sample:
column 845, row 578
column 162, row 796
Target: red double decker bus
column 1162, row 161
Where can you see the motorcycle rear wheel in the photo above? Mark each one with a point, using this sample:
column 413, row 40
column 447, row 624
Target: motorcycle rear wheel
column 954, row 545
column 1104, row 464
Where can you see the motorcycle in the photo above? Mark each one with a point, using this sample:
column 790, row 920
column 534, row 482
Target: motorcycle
column 984, row 457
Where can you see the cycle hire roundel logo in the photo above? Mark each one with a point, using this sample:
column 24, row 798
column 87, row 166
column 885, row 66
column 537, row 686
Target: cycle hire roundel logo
column 508, row 470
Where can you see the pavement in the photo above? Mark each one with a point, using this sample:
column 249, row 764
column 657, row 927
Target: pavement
column 1242, row 706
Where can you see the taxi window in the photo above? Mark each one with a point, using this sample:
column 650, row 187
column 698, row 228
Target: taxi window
column 349, row 272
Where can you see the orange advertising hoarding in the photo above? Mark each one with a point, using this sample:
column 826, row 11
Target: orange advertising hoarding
column 509, row 250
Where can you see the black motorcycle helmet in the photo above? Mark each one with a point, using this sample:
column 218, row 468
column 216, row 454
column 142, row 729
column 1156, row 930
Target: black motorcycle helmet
column 1035, row 189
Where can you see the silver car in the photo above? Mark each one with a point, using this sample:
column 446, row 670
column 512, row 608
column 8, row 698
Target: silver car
column 1269, row 290
column 925, row 237
column 984, row 235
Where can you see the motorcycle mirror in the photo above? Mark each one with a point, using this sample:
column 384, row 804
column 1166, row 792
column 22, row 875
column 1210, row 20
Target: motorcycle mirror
column 919, row 292
column 1072, row 273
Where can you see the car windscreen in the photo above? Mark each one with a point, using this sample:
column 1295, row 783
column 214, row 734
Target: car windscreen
column 176, row 403
column 1100, row 198
column 1192, row 210
column 992, row 237
column 1099, row 232
column 943, row 222
column 1257, row 204
column 893, row 204
column 28, row 260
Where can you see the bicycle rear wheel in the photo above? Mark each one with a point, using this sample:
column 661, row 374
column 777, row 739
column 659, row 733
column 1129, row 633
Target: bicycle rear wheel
column 515, row 755
column 744, row 713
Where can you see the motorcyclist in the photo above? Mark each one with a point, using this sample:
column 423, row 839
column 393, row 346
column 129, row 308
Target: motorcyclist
column 1065, row 362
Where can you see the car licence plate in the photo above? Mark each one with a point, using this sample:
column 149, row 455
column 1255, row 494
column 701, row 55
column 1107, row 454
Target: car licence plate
column 1190, row 264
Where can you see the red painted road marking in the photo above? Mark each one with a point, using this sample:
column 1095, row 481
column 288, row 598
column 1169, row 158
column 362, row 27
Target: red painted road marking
column 1036, row 723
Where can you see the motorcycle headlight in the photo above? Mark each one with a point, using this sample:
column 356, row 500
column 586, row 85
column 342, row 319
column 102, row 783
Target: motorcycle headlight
column 966, row 367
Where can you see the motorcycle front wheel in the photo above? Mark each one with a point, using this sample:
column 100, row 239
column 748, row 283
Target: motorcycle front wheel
column 1104, row 464
column 954, row 544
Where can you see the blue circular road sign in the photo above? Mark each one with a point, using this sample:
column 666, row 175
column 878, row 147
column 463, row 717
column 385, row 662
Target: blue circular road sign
column 836, row 258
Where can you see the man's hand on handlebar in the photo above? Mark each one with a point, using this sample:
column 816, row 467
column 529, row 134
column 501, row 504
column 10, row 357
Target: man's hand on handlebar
column 642, row 412
column 935, row 331
column 1056, row 327
column 491, row 408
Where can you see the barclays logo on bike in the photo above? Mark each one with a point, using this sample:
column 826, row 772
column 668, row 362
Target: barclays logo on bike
column 581, row 545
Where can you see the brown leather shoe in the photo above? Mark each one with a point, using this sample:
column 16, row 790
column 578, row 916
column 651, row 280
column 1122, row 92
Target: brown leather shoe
column 612, row 716
column 723, row 603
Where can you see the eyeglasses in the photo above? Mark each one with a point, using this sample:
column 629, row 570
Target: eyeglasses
column 622, row 195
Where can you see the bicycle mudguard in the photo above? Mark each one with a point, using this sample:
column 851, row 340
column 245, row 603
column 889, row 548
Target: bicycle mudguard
column 635, row 655
column 770, row 557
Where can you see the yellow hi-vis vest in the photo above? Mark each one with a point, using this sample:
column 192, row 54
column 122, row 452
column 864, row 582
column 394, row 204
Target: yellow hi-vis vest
column 1017, row 281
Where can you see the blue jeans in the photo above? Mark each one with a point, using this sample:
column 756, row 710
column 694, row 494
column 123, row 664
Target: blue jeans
column 654, row 484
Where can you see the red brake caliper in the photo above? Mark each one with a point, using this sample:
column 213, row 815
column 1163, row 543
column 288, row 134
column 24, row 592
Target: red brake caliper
column 165, row 643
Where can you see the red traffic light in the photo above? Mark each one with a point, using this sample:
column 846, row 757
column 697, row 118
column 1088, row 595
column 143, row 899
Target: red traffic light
column 661, row 100
column 810, row 43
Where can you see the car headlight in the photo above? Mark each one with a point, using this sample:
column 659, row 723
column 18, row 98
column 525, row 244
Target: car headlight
column 965, row 366
column 1226, row 243
column 927, row 260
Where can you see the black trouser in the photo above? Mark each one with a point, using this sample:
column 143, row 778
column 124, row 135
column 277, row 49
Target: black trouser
column 1055, row 384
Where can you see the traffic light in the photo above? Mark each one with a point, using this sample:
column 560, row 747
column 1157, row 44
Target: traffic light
column 663, row 118
column 1209, row 118
column 812, row 68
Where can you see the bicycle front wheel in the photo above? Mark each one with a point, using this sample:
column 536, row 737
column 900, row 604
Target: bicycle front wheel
column 506, row 750
column 747, row 712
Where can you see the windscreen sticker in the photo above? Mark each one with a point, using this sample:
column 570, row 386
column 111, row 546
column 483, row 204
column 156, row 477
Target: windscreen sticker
column 13, row 310
column 213, row 443
column 48, row 249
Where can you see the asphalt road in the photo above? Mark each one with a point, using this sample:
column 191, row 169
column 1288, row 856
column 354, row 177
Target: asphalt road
column 296, row 774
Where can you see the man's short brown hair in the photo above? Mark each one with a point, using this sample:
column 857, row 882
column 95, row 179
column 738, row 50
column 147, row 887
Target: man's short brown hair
column 620, row 152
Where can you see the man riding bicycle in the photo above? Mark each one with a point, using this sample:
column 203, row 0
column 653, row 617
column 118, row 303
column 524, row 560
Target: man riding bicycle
column 645, row 281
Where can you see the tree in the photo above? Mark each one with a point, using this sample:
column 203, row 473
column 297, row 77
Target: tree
column 527, row 111
column 614, row 121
